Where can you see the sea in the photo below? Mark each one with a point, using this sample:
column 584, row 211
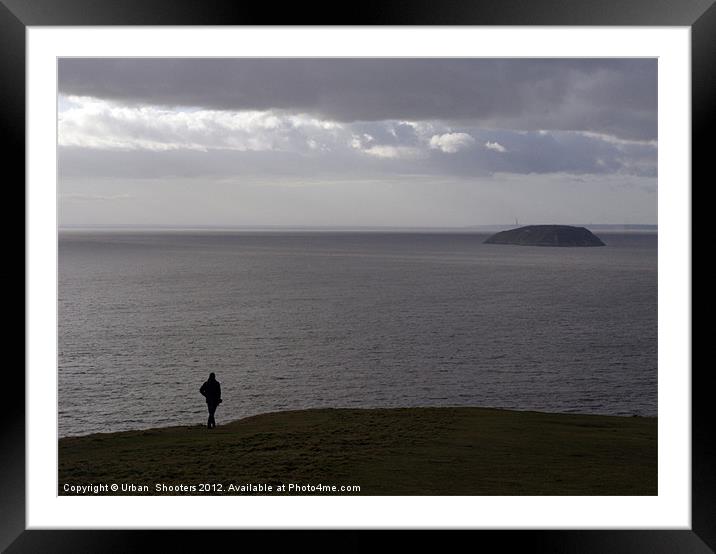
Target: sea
column 290, row 320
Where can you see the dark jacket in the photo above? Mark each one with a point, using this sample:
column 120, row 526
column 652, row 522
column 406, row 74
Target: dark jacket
column 212, row 391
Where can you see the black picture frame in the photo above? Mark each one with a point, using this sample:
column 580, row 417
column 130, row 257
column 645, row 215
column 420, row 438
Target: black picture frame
column 16, row 15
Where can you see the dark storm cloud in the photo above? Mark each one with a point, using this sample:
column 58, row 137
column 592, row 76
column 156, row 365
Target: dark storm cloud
column 611, row 96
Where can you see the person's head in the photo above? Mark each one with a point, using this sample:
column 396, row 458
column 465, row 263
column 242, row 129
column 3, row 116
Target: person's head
column 212, row 377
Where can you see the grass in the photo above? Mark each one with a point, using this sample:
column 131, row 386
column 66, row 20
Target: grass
column 403, row 451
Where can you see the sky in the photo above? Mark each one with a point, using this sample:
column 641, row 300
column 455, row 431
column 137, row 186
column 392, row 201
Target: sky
column 412, row 142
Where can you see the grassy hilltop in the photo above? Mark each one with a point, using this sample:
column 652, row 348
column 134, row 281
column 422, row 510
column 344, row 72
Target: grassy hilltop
column 403, row 451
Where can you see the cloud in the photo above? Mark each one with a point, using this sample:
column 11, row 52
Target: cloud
column 451, row 142
column 100, row 124
column 496, row 146
column 616, row 97
column 362, row 141
column 336, row 158
column 387, row 151
column 163, row 142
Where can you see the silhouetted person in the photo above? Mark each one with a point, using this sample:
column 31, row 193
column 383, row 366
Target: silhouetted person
column 211, row 390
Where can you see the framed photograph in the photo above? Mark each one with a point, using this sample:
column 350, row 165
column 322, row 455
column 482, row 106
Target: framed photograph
column 411, row 271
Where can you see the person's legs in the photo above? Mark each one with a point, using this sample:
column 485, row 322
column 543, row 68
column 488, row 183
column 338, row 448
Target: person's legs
column 211, row 423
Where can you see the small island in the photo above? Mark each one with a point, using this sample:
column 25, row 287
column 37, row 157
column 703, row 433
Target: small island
column 546, row 235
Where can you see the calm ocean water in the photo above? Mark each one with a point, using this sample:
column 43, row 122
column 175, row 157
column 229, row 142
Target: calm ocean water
column 299, row 320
